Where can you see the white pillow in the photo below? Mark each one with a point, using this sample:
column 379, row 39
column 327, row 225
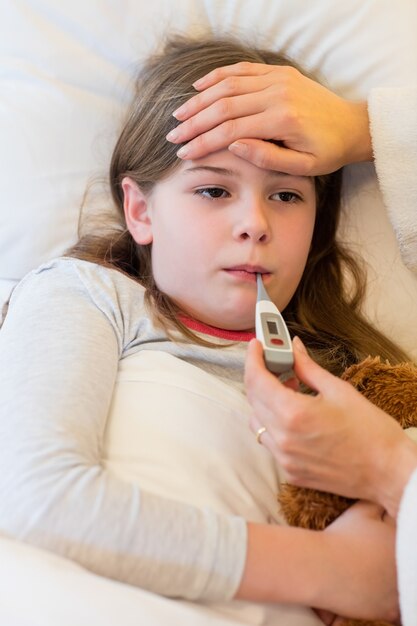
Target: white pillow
column 353, row 45
column 39, row 588
column 66, row 80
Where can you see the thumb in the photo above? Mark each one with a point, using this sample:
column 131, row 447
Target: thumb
column 309, row 372
column 254, row 360
column 256, row 374
column 268, row 155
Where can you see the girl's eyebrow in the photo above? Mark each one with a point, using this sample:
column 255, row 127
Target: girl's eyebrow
column 212, row 168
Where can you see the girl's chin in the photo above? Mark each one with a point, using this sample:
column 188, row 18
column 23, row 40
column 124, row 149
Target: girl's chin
column 225, row 318
column 228, row 324
column 234, row 324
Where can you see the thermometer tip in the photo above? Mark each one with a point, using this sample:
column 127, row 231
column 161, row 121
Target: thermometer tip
column 262, row 294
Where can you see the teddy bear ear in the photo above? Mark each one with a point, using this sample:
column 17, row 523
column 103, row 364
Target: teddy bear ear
column 356, row 373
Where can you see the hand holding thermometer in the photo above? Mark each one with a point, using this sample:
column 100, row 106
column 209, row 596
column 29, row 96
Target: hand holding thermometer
column 272, row 332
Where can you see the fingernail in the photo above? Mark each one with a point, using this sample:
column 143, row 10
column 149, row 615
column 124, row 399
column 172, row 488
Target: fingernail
column 238, row 147
column 172, row 135
column 183, row 152
column 180, row 112
column 198, row 83
column 298, row 344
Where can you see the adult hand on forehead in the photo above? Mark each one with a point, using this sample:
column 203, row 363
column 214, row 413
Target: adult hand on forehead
column 240, row 106
column 336, row 440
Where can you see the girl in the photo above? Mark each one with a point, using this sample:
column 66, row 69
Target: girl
column 324, row 444
column 169, row 292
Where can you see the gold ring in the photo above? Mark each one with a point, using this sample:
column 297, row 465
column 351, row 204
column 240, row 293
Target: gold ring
column 259, row 434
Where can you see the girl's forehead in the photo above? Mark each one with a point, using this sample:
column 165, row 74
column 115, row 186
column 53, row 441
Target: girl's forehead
column 225, row 163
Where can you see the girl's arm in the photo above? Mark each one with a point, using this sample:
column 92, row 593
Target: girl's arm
column 347, row 569
column 241, row 105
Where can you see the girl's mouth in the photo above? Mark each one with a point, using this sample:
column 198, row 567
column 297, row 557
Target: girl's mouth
column 247, row 273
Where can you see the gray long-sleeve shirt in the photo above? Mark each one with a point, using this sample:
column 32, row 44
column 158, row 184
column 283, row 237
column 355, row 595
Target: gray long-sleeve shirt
column 69, row 324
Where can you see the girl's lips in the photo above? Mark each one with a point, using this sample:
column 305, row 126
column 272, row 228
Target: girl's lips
column 245, row 275
column 254, row 269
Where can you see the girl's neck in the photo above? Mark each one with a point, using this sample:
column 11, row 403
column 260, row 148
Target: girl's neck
column 213, row 331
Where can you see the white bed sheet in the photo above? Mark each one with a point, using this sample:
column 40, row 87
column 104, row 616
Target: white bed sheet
column 41, row 589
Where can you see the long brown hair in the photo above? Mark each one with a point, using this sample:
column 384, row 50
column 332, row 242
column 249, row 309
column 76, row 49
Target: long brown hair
column 325, row 310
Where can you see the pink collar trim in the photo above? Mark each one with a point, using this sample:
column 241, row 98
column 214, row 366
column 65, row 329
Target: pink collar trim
column 213, row 331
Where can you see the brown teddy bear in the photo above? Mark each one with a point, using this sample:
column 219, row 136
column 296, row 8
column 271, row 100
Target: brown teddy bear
column 392, row 388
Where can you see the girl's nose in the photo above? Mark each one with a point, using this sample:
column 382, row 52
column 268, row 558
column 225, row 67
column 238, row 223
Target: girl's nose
column 252, row 223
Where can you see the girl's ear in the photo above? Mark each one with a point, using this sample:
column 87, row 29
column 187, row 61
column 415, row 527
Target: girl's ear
column 137, row 214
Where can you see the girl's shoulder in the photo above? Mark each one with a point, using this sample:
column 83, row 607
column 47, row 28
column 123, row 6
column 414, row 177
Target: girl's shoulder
column 67, row 271
column 72, row 288
column 74, row 280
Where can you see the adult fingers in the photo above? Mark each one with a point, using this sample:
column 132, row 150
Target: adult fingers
column 223, row 135
column 260, row 383
column 231, row 86
column 326, row 617
column 269, row 156
column 261, row 432
column 240, row 109
column 272, row 401
column 265, row 391
column 310, row 373
column 243, row 68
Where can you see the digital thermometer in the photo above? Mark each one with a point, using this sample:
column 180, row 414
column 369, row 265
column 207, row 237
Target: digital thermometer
column 272, row 332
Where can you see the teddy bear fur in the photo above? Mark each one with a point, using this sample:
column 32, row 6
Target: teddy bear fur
column 393, row 388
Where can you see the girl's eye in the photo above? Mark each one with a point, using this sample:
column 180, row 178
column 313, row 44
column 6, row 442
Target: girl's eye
column 213, row 193
column 287, row 196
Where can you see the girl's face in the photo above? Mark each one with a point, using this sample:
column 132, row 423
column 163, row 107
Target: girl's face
column 215, row 222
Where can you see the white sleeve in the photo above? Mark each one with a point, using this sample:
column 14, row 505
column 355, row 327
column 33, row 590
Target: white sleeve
column 407, row 553
column 59, row 354
column 393, row 118
column 393, row 123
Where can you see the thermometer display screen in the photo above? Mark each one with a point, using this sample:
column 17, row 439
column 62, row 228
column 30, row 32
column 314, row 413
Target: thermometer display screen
column 272, row 328
column 274, row 331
